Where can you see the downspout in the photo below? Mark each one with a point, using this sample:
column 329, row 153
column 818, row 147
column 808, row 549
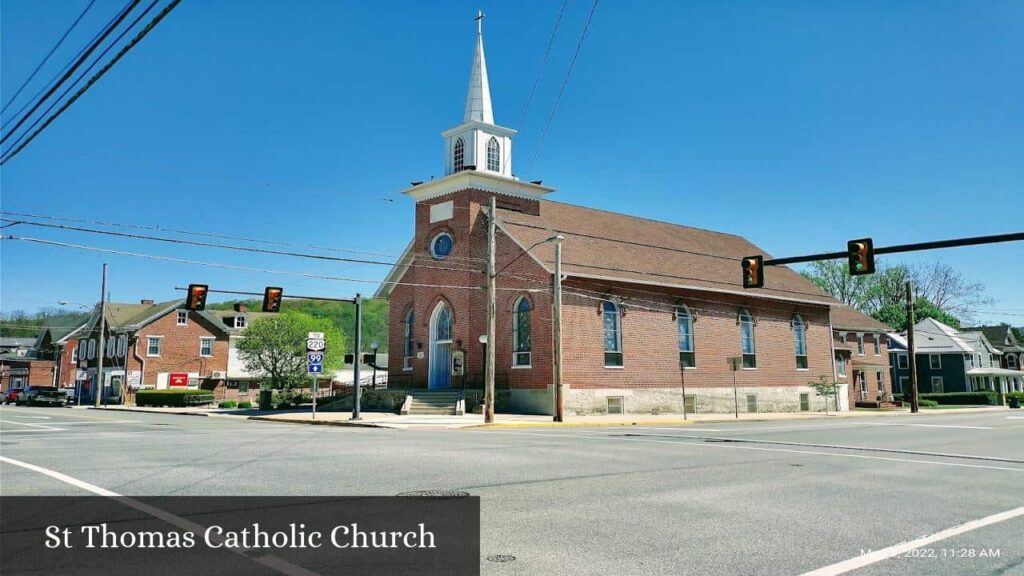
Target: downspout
column 139, row 359
column 56, row 365
column 832, row 347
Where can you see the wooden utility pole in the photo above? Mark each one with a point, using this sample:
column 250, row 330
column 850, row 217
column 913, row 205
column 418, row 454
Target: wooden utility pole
column 912, row 363
column 358, row 345
column 97, row 388
column 492, row 308
column 556, row 299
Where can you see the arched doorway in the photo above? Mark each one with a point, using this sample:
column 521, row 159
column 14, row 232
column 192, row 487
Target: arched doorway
column 440, row 347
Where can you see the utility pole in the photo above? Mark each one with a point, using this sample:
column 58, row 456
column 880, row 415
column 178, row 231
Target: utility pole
column 492, row 308
column 911, row 349
column 358, row 359
column 557, row 323
column 97, row 389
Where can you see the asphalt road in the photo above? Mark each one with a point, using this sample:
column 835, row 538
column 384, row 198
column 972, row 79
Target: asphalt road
column 780, row 497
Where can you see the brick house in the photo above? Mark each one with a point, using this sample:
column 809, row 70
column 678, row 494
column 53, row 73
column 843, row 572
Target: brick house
column 145, row 344
column 34, row 361
column 648, row 306
column 862, row 357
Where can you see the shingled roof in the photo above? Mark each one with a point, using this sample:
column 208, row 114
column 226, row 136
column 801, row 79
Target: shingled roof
column 849, row 318
column 611, row 246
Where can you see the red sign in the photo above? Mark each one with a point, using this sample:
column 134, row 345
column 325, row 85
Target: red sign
column 178, row 379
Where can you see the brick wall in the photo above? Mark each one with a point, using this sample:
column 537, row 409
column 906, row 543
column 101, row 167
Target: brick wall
column 179, row 348
column 649, row 330
column 866, row 364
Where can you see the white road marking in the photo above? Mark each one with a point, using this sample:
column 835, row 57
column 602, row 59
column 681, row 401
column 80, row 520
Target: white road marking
column 273, row 562
column 930, row 425
column 811, row 452
column 893, row 551
column 43, row 426
column 35, row 417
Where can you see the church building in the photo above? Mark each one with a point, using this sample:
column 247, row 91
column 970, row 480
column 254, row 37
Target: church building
column 649, row 307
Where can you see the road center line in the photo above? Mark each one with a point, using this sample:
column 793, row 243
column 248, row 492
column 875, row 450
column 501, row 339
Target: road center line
column 902, row 548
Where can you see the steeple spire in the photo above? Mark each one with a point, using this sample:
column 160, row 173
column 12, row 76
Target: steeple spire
column 478, row 100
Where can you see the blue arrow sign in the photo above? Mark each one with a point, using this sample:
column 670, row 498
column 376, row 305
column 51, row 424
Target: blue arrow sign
column 315, row 369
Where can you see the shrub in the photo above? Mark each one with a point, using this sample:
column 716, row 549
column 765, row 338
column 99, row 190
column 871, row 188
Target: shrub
column 1017, row 395
column 923, row 403
column 228, row 404
column 245, row 404
column 173, row 398
column 283, row 406
column 988, row 398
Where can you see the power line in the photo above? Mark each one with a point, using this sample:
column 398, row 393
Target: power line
column 142, row 34
column 232, row 247
column 84, row 73
column 78, row 62
column 540, row 71
column 226, row 266
column 193, row 233
column 561, row 90
column 48, row 54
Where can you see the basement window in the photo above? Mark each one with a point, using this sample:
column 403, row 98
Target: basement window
column 805, row 402
column 751, row 402
column 615, row 404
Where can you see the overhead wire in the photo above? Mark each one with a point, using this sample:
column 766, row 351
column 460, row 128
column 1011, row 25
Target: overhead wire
column 77, row 63
column 106, row 68
column 561, row 90
column 47, row 57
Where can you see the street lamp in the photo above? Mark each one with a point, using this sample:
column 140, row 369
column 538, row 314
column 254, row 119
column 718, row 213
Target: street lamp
column 82, row 306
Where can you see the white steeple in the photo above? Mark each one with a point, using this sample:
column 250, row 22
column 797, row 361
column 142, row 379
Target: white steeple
column 478, row 100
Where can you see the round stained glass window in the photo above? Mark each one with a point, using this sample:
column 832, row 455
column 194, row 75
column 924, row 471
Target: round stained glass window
column 441, row 246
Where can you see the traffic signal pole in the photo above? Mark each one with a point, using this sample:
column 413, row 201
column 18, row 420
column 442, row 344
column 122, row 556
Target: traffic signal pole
column 492, row 309
column 357, row 359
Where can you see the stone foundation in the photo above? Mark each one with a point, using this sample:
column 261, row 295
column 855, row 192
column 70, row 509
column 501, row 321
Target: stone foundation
column 706, row 400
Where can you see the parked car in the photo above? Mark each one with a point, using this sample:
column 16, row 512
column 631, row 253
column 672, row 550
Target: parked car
column 11, row 396
column 34, row 395
column 70, row 394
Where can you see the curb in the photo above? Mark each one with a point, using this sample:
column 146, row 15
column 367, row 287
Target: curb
column 348, row 423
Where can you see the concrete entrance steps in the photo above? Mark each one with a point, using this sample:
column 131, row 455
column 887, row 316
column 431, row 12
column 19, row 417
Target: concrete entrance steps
column 434, row 402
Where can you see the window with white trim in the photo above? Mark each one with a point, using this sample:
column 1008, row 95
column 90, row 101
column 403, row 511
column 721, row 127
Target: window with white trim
column 206, row 347
column 902, row 360
column 1011, row 361
column 459, row 155
column 800, row 341
column 153, row 345
column 747, row 339
column 92, row 349
column 74, row 354
column 840, row 365
column 860, row 344
column 877, row 338
column 182, row 317
column 684, row 324
column 240, row 322
column 612, row 318
column 880, row 379
column 493, row 155
column 935, row 361
column 937, row 384
column 521, row 343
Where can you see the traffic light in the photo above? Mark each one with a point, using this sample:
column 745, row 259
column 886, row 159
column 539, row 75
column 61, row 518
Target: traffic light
column 272, row 299
column 862, row 256
column 753, row 272
column 196, row 299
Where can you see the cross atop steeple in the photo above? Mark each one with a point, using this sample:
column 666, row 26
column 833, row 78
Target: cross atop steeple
column 478, row 100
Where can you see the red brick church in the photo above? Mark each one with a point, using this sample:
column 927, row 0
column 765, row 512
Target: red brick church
column 648, row 306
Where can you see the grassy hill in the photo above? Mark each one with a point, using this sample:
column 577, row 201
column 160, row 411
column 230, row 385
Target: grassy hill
column 341, row 314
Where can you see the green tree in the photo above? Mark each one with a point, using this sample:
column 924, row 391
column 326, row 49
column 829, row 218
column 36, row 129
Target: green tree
column 833, row 277
column 895, row 315
column 825, row 387
column 274, row 348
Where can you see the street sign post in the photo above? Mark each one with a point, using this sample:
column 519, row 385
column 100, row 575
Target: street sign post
column 316, row 345
column 734, row 364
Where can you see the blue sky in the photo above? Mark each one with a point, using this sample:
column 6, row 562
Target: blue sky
column 799, row 125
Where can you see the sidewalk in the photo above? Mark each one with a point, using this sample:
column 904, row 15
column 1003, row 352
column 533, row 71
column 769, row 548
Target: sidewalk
column 395, row 421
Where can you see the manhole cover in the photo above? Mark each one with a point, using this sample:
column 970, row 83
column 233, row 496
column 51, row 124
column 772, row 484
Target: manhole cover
column 501, row 558
column 435, row 494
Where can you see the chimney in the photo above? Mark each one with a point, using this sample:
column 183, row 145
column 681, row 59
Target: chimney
column 241, row 307
column 147, row 302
